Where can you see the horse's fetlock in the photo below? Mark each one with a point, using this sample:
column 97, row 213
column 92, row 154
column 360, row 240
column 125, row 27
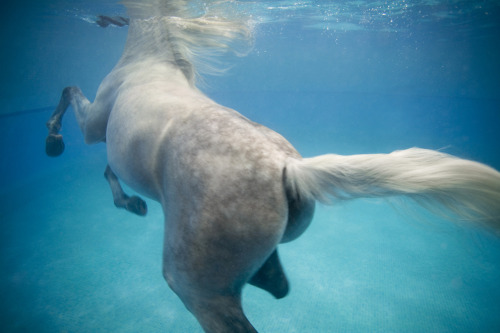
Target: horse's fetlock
column 53, row 125
column 120, row 202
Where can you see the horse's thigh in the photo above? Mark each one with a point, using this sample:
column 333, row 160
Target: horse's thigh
column 215, row 265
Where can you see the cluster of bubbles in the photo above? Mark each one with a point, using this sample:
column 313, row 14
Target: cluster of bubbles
column 385, row 15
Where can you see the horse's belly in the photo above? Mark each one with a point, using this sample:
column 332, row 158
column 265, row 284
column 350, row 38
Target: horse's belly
column 132, row 146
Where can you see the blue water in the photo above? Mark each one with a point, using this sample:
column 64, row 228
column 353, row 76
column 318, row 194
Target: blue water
column 344, row 77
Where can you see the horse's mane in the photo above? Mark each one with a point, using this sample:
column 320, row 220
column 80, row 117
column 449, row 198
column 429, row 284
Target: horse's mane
column 196, row 35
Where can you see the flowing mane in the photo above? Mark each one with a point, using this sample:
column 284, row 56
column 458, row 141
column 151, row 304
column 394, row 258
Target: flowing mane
column 190, row 38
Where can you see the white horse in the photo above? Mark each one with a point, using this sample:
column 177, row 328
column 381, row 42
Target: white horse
column 232, row 190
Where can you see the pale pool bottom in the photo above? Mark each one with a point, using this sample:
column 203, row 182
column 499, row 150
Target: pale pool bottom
column 72, row 262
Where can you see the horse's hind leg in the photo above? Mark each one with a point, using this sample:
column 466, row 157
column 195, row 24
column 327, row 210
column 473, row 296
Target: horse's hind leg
column 271, row 277
column 223, row 313
column 133, row 204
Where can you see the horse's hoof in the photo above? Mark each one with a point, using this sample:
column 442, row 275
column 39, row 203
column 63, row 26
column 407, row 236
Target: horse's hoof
column 136, row 205
column 54, row 145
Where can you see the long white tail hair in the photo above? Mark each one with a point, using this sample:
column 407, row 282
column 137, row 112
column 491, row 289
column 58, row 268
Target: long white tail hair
column 442, row 183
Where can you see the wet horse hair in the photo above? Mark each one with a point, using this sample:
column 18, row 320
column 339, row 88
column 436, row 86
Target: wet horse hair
column 232, row 190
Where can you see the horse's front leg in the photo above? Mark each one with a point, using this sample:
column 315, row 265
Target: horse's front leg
column 54, row 144
column 133, row 204
column 92, row 120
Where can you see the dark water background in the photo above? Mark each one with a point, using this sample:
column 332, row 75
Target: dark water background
column 342, row 77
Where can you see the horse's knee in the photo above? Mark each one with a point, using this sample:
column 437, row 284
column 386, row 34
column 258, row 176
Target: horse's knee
column 67, row 93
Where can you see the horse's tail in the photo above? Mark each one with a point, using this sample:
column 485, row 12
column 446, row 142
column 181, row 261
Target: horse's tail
column 439, row 182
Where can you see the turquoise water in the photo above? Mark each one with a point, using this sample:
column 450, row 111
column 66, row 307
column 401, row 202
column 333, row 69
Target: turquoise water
column 344, row 77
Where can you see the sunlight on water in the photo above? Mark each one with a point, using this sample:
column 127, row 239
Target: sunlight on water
column 343, row 15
